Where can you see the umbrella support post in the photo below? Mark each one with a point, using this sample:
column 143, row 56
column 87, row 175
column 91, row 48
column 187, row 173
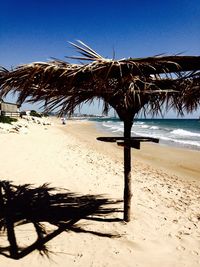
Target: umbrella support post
column 127, row 172
column 127, row 183
column 128, row 142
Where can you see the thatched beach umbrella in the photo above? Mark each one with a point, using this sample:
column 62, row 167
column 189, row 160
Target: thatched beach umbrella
column 127, row 85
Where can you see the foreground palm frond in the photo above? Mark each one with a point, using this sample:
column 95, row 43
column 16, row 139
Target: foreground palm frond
column 126, row 84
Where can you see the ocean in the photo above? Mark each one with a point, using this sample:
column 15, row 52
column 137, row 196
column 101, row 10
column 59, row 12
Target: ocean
column 173, row 132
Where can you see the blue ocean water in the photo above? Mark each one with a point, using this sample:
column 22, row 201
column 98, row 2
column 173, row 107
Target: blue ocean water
column 176, row 132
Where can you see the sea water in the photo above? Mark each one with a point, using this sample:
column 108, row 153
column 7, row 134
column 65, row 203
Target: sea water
column 176, row 132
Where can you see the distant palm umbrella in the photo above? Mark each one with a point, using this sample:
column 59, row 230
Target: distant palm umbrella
column 127, row 85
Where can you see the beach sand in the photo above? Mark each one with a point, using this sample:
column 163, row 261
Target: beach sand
column 165, row 226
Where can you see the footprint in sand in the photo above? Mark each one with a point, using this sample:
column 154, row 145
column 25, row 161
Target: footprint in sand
column 195, row 253
column 181, row 248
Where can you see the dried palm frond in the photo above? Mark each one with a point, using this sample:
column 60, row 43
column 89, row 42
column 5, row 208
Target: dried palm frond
column 127, row 85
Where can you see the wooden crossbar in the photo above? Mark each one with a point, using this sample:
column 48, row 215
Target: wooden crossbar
column 133, row 142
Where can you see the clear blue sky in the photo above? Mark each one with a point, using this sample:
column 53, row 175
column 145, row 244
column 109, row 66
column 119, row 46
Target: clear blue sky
column 37, row 30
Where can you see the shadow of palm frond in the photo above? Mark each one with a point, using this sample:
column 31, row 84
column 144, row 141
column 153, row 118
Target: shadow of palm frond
column 22, row 204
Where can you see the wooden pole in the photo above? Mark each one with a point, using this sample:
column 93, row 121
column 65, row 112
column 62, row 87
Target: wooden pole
column 127, row 172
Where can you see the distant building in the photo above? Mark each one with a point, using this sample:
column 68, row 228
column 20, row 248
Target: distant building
column 9, row 109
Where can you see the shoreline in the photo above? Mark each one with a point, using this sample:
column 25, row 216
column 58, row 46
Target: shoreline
column 174, row 160
column 170, row 134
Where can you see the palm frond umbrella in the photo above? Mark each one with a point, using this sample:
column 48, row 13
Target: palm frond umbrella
column 127, row 85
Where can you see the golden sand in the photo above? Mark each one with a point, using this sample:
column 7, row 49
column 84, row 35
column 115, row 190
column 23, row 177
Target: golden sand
column 165, row 226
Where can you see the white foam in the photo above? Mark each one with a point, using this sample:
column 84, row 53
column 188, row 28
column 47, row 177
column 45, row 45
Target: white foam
column 182, row 132
column 105, row 124
column 117, row 130
column 144, row 126
column 138, row 123
column 154, row 127
column 187, row 142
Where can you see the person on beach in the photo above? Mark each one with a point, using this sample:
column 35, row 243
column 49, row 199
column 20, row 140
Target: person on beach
column 63, row 120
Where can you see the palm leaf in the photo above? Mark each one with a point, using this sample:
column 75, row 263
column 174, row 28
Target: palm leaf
column 64, row 86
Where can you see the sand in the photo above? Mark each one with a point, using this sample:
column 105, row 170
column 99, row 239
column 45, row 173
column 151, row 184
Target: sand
column 165, row 226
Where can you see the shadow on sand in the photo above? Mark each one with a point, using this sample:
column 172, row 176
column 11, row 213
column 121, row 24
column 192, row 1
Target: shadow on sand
column 24, row 204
